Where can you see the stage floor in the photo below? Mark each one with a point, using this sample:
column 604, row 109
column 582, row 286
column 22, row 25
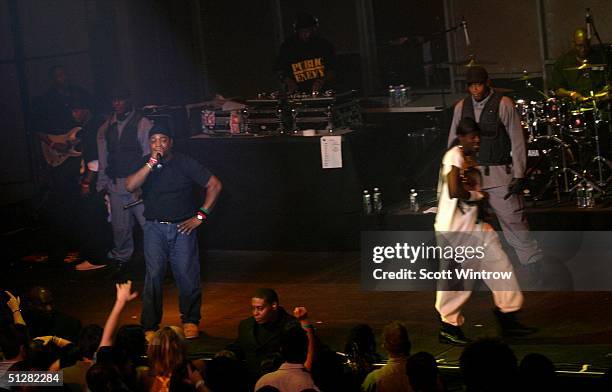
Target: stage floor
column 575, row 328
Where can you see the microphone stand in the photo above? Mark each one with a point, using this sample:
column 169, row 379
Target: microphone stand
column 599, row 158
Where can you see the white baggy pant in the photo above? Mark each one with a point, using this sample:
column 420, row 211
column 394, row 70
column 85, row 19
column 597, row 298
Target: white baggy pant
column 510, row 299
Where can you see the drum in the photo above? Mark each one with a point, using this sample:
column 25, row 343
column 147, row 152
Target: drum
column 531, row 113
column 542, row 118
column 546, row 158
column 582, row 119
column 555, row 114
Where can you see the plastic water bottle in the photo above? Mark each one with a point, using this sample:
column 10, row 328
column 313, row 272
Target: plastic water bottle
column 391, row 99
column 589, row 200
column 414, row 204
column 377, row 200
column 398, row 95
column 580, row 196
column 367, row 203
column 403, row 96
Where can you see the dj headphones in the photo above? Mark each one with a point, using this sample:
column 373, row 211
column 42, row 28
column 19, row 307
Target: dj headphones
column 304, row 20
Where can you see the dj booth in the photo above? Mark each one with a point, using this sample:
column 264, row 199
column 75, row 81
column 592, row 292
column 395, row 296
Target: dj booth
column 277, row 195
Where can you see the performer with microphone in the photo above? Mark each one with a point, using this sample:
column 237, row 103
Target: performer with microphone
column 502, row 161
column 170, row 236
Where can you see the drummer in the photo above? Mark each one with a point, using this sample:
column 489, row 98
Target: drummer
column 568, row 81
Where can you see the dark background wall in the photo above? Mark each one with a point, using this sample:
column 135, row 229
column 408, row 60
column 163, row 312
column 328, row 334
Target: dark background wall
column 177, row 52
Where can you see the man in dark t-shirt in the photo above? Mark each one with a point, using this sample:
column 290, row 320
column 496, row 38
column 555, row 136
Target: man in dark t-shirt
column 306, row 62
column 567, row 81
column 172, row 216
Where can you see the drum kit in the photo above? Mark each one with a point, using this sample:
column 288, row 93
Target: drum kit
column 566, row 140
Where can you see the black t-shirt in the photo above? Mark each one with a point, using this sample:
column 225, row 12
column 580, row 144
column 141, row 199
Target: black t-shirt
column 168, row 192
column 306, row 61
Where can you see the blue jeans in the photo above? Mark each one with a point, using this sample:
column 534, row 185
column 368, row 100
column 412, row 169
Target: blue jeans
column 162, row 244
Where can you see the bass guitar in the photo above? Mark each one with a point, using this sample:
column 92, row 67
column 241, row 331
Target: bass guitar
column 70, row 147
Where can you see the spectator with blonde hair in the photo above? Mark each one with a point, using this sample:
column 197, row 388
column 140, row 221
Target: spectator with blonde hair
column 166, row 352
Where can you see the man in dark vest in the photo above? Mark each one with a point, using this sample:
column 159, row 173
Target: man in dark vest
column 502, row 161
column 123, row 140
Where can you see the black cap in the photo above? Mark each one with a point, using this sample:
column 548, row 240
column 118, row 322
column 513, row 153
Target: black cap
column 304, row 21
column 162, row 129
column 476, row 74
column 119, row 92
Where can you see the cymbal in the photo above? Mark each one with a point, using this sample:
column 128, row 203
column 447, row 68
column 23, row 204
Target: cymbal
column 601, row 95
column 582, row 110
column 471, row 62
column 585, row 65
column 525, row 78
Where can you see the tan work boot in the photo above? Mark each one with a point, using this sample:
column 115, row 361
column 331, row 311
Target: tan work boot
column 191, row 330
column 149, row 336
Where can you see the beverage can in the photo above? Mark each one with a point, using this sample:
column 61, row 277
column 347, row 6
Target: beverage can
column 234, row 122
column 209, row 120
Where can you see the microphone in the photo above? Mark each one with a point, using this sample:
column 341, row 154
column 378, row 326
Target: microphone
column 132, row 204
column 159, row 164
column 465, row 32
column 588, row 19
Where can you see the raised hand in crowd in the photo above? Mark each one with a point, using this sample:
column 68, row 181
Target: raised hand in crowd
column 57, row 341
column 14, row 305
column 301, row 313
column 124, row 295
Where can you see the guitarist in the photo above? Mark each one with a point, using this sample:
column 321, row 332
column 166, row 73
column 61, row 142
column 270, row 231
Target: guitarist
column 52, row 118
column 91, row 214
column 123, row 139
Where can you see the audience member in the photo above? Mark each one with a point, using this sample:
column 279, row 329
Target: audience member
column 422, row 371
column 166, row 352
column 89, row 341
column 331, row 373
column 392, row 376
column 104, row 378
column 537, row 373
column 44, row 319
column 489, row 365
column 292, row 376
column 361, row 351
column 259, row 336
column 13, row 343
column 225, row 373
